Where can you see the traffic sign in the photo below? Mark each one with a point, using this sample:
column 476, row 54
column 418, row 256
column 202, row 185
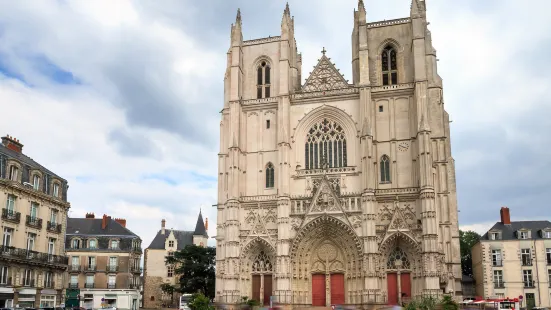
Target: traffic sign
column 520, row 297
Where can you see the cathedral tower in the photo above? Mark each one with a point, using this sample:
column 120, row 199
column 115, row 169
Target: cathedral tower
column 332, row 192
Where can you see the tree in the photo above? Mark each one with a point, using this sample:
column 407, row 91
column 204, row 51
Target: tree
column 200, row 302
column 169, row 289
column 195, row 266
column 467, row 239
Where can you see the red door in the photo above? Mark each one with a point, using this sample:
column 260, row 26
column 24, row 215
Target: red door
column 337, row 289
column 405, row 285
column 256, row 287
column 267, row 288
column 318, row 290
column 392, row 288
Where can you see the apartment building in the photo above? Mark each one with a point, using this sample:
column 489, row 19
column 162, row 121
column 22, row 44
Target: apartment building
column 156, row 272
column 34, row 213
column 513, row 259
column 104, row 263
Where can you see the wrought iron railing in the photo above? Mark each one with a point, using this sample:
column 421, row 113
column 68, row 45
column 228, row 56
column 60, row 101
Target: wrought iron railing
column 5, row 281
column 74, row 268
column 49, row 284
column 33, row 221
column 111, row 285
column 302, row 298
column 136, row 269
column 53, row 227
column 112, row 268
column 11, row 215
column 91, row 268
column 73, row 285
column 33, row 256
column 89, row 285
column 28, row 282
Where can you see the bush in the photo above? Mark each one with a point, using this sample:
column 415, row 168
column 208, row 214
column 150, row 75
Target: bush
column 448, row 303
column 200, row 302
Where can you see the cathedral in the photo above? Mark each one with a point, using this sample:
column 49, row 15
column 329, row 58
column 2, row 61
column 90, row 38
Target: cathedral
column 333, row 192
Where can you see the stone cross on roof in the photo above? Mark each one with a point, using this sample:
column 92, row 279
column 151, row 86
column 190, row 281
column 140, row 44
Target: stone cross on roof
column 323, row 51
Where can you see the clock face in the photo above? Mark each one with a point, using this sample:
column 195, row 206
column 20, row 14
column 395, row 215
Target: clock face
column 403, row 146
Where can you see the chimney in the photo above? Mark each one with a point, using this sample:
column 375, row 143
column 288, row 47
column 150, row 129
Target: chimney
column 505, row 216
column 90, row 215
column 104, row 221
column 206, row 223
column 121, row 221
column 163, row 222
column 12, row 143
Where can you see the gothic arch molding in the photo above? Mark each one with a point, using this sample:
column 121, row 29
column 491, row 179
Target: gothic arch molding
column 390, row 240
column 389, row 41
column 256, row 242
column 399, row 59
column 317, row 115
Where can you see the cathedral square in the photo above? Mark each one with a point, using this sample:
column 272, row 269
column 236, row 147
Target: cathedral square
column 330, row 191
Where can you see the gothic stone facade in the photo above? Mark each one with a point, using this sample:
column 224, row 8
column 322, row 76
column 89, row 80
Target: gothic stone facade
column 333, row 192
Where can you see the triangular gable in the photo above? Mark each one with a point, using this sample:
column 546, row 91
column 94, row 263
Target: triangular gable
column 398, row 222
column 324, row 77
column 325, row 200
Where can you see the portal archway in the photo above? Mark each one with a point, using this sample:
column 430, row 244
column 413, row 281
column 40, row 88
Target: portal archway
column 401, row 261
column 257, row 268
column 326, row 263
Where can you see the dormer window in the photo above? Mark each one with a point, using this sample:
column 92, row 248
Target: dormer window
column 114, row 244
column 546, row 234
column 55, row 191
column 14, row 173
column 75, row 244
column 495, row 236
column 93, row 244
column 523, row 234
column 36, row 182
column 171, row 243
column 263, row 80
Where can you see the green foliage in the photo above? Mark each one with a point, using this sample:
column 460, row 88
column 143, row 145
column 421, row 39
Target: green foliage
column 412, row 305
column 200, row 302
column 427, row 303
column 467, row 239
column 448, row 303
column 196, row 267
column 168, row 289
column 249, row 303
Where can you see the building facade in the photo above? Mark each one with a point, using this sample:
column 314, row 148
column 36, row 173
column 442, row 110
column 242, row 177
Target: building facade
column 34, row 212
column 157, row 272
column 514, row 259
column 104, row 263
column 331, row 192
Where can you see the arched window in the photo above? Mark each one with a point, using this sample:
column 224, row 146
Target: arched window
column 389, row 67
column 262, row 263
column 398, row 260
column 325, row 143
column 269, row 175
column 263, row 80
column 385, row 169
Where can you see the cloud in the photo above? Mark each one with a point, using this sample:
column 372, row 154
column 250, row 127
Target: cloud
column 123, row 99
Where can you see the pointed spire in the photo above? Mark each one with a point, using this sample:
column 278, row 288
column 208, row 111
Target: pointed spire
column 361, row 6
column 287, row 10
column 236, row 34
column 366, row 128
column 417, row 7
column 238, row 17
column 200, row 229
column 423, row 125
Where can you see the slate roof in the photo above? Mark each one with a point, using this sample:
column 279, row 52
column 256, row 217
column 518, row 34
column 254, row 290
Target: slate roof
column 84, row 226
column 508, row 231
column 183, row 237
column 26, row 160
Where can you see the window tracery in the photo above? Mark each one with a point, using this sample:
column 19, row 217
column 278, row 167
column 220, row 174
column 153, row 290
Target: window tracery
column 269, row 175
column 263, row 80
column 325, row 144
column 389, row 66
column 385, row 169
column 262, row 263
column 398, row 259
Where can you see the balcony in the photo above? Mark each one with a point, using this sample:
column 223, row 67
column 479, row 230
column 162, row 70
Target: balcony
column 74, row 268
column 53, row 227
column 73, row 285
column 112, row 268
column 134, row 286
column 497, row 263
column 8, row 252
column 89, row 285
column 5, row 282
column 111, row 285
column 90, row 268
column 135, row 269
column 499, row 284
column 529, row 284
column 33, row 222
column 49, row 284
column 11, row 216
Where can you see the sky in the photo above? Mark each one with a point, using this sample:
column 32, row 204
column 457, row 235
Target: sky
column 122, row 98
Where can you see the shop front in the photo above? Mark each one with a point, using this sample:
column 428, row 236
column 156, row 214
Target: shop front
column 26, row 298
column 48, row 298
column 6, row 297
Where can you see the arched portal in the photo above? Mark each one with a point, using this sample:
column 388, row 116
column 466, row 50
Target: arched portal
column 257, row 268
column 326, row 263
column 401, row 259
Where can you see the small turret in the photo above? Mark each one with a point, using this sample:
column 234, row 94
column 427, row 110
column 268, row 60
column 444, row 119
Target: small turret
column 236, row 31
column 362, row 15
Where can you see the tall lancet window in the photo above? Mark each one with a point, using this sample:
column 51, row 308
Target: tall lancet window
column 389, row 66
column 385, row 169
column 325, row 143
column 269, row 175
column 263, row 80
